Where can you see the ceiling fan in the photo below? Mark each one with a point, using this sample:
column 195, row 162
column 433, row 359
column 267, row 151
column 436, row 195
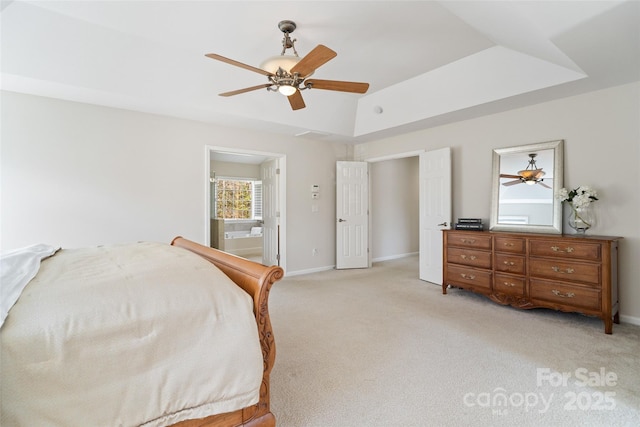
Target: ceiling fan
column 531, row 175
column 289, row 74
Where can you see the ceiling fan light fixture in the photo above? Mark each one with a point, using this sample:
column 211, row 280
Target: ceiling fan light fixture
column 287, row 90
column 273, row 63
column 288, row 74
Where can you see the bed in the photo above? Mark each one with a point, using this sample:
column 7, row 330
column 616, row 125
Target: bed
column 140, row 334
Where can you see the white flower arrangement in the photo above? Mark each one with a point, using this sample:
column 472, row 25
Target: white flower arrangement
column 579, row 198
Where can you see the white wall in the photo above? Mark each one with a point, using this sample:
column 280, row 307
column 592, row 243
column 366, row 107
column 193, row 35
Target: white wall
column 394, row 208
column 602, row 148
column 75, row 175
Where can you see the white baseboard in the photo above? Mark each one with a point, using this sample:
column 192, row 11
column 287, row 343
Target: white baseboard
column 331, row 267
column 309, row 271
column 630, row 319
column 390, row 257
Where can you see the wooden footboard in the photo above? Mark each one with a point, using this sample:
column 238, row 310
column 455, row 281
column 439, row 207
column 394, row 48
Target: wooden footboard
column 256, row 279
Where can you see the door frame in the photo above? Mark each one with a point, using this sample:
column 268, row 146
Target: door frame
column 395, row 156
column 282, row 188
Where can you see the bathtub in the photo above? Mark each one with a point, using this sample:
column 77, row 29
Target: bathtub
column 243, row 242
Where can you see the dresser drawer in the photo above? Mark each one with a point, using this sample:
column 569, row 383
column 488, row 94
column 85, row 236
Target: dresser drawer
column 506, row 284
column 565, row 249
column 509, row 244
column 469, row 257
column 571, row 296
column 510, row 263
column 565, row 270
column 475, row 240
column 457, row 275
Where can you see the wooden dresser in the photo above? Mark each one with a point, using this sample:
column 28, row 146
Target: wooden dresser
column 561, row 272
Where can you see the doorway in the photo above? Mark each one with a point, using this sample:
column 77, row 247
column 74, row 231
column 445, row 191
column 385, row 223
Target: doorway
column 434, row 197
column 395, row 228
column 266, row 232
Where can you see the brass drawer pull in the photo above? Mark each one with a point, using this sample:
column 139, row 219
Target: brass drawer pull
column 512, row 285
column 560, row 294
column 471, row 257
column 568, row 250
column 509, row 244
column 467, row 276
column 510, row 263
column 559, row 270
column 470, row 241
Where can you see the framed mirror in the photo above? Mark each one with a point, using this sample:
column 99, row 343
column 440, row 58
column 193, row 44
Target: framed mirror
column 525, row 180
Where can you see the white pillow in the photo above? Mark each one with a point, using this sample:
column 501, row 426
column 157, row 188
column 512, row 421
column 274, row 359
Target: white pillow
column 17, row 268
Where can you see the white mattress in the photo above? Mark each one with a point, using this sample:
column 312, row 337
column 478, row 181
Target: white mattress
column 127, row 335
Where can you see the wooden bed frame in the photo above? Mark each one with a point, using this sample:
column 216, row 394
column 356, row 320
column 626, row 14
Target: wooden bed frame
column 256, row 279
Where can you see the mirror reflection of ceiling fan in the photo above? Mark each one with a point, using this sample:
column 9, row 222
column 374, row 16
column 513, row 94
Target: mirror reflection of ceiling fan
column 288, row 74
column 531, row 175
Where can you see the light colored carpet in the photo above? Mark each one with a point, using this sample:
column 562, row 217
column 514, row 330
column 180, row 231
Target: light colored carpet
column 378, row 347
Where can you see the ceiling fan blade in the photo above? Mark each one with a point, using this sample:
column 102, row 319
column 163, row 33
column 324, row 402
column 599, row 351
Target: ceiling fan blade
column 517, row 181
column 247, row 89
column 238, row 64
column 504, row 175
column 354, row 87
column 544, row 185
column 318, row 56
column 296, row 100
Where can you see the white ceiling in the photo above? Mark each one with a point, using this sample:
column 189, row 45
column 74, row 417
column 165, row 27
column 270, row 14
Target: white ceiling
column 427, row 62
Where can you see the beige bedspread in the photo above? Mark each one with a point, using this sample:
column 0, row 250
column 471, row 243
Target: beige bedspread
column 126, row 335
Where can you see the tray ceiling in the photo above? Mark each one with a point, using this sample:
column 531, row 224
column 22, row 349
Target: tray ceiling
column 427, row 62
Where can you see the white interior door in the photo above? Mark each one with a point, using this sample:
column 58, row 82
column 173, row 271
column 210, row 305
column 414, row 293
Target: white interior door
column 270, row 215
column 435, row 210
column 352, row 215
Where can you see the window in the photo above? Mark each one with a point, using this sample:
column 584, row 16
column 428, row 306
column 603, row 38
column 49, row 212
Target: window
column 238, row 198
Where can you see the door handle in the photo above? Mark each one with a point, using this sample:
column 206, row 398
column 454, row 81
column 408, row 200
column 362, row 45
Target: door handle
column 342, row 220
column 444, row 224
